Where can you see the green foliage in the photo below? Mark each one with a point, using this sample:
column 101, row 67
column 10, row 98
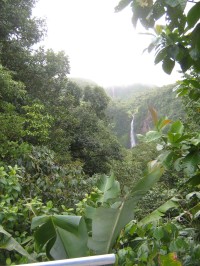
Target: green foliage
column 150, row 242
column 17, row 23
column 9, row 243
column 176, row 41
column 97, row 99
column 37, row 123
column 62, row 236
column 154, row 244
column 93, row 143
column 104, row 232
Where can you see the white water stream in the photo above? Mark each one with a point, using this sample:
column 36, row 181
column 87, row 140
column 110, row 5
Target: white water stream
column 132, row 134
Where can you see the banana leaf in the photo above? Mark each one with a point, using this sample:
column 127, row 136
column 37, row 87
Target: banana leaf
column 62, row 236
column 108, row 222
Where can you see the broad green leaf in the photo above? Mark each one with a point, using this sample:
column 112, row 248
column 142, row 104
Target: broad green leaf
column 9, row 243
column 152, row 135
column 62, row 236
column 168, row 65
column 169, row 260
column 108, row 222
column 173, row 137
column 159, row 212
column 193, row 15
column 177, row 127
column 158, row 233
column 110, row 188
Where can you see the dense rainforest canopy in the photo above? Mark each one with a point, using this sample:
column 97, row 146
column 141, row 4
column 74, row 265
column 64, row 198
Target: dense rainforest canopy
column 66, row 166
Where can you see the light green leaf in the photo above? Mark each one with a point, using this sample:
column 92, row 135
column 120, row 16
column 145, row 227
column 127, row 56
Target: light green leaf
column 110, row 188
column 62, row 236
column 152, row 135
column 177, row 127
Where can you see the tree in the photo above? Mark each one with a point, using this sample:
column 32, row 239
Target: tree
column 178, row 40
column 97, row 99
column 17, row 23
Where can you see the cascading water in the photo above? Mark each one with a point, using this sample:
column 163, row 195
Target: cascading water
column 132, row 135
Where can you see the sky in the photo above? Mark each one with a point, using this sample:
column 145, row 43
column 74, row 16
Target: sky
column 102, row 45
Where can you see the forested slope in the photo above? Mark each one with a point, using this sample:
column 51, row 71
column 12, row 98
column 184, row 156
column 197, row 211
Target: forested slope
column 134, row 101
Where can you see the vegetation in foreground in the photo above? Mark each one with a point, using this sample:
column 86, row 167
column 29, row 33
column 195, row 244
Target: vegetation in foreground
column 61, row 167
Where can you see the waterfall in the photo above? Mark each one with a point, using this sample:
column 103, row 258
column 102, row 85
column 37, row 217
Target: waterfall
column 132, row 135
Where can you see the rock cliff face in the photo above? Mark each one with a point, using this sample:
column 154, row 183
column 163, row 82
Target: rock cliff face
column 146, row 125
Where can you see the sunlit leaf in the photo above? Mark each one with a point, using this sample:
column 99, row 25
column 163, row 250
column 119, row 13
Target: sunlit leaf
column 169, row 260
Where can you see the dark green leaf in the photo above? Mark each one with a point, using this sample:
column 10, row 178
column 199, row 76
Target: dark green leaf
column 168, row 65
column 161, row 55
column 194, row 180
column 193, row 15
